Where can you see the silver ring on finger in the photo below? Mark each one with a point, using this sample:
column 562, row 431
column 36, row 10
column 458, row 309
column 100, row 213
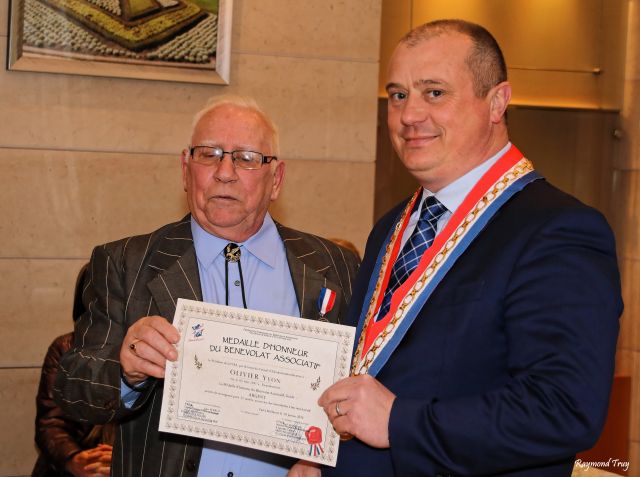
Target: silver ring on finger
column 338, row 412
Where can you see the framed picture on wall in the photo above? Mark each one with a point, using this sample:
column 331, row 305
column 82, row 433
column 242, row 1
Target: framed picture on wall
column 168, row 40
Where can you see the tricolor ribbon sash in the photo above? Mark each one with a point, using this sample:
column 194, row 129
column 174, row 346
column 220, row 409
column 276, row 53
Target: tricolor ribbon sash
column 326, row 300
column 378, row 339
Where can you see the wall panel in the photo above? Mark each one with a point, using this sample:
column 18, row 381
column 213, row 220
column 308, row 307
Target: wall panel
column 17, row 400
column 318, row 105
column 328, row 29
column 37, row 297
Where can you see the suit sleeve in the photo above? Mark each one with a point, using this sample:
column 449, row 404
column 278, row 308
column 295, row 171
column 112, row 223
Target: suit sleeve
column 88, row 382
column 560, row 318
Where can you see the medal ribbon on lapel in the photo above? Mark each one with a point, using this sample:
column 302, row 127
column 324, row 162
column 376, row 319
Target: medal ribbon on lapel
column 378, row 339
column 326, row 300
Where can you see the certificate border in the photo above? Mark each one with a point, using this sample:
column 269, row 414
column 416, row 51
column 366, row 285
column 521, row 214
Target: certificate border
column 171, row 422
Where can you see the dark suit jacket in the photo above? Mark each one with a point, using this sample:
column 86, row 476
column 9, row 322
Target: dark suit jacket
column 145, row 275
column 507, row 369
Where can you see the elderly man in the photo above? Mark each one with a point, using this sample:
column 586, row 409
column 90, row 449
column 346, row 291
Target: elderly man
column 487, row 304
column 114, row 372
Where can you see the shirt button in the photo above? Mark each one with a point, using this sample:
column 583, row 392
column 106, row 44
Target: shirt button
column 229, row 474
column 236, row 283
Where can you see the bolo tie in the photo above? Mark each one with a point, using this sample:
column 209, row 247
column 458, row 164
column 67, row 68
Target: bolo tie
column 232, row 255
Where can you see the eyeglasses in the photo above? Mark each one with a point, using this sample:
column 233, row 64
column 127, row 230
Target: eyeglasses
column 209, row 155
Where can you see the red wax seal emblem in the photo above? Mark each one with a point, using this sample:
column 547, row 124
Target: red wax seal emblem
column 314, row 438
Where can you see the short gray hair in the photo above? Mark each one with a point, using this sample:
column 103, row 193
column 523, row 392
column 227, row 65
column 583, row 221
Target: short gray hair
column 245, row 102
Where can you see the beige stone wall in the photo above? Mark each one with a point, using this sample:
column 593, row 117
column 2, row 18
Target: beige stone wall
column 84, row 160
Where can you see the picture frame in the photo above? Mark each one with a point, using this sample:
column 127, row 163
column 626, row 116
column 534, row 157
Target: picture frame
column 165, row 40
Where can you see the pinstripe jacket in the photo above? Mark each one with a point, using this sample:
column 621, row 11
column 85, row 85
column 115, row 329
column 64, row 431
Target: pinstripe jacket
column 145, row 275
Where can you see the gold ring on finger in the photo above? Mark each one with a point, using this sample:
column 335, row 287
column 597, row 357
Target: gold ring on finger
column 132, row 346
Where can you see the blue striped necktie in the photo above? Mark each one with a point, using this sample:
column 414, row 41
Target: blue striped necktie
column 411, row 253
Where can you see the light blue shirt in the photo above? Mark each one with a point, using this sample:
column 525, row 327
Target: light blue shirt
column 452, row 195
column 268, row 286
column 267, row 280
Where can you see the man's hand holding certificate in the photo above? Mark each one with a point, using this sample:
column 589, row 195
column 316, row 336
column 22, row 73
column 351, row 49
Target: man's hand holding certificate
column 253, row 379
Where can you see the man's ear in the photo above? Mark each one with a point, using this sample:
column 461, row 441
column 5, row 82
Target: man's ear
column 184, row 162
column 499, row 97
column 278, row 179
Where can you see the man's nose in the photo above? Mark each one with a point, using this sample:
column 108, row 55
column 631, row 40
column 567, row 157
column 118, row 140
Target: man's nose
column 226, row 169
column 415, row 110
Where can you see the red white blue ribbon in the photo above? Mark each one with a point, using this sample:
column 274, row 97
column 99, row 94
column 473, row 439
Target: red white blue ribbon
column 378, row 339
column 326, row 300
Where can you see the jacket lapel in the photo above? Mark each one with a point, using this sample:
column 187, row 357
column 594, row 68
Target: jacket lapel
column 178, row 276
column 176, row 261
column 308, row 265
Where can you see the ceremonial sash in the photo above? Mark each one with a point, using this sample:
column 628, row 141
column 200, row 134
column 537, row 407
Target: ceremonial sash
column 378, row 339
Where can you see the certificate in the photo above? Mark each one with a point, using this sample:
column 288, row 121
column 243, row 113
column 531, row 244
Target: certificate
column 253, row 379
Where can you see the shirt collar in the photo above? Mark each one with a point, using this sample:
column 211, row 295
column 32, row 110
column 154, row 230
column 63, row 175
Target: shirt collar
column 452, row 195
column 261, row 245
